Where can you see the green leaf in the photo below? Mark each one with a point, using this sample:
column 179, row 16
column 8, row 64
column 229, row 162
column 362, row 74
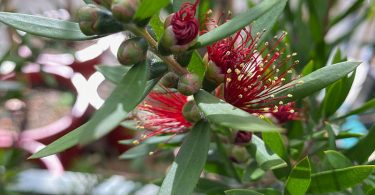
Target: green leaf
column 204, row 6
column 364, row 148
column 207, row 186
column 171, row 139
column 275, row 142
column 89, row 1
column 196, row 65
column 339, row 179
column 157, row 26
column 338, row 91
column 137, row 151
column 365, row 107
column 243, row 20
column 337, row 160
column 113, row 73
column 188, row 165
column 242, row 192
column 45, row 27
column 221, row 113
column 308, row 68
column 148, row 8
column 265, row 158
column 317, row 80
column 123, row 99
column 299, row 179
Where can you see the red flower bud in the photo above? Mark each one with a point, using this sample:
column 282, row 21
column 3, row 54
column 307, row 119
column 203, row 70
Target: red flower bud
column 243, row 137
column 181, row 30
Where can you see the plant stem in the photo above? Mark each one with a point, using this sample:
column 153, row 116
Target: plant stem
column 169, row 60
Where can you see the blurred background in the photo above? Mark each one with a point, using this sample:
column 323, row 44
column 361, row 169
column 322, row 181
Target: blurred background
column 49, row 87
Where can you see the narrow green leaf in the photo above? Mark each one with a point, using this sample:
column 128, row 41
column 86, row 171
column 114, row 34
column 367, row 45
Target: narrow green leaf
column 148, row 8
column 275, row 142
column 337, row 160
column 45, row 27
column 339, row 179
column 365, row 107
column 309, row 68
column 157, row 26
column 204, row 6
column 137, row 151
column 188, row 165
column 219, row 112
column 364, row 148
column 317, row 80
column 125, row 97
column 170, row 139
column 196, row 65
column 113, row 73
column 265, row 158
column 243, row 20
column 242, row 192
column 109, row 115
column 299, row 179
column 207, row 186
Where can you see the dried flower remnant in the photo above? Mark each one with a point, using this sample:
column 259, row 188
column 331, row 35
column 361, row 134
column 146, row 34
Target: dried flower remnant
column 161, row 113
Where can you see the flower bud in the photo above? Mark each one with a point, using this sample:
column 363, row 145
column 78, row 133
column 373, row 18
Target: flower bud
column 104, row 3
column 213, row 73
column 94, row 20
column 191, row 112
column 124, row 10
column 132, row 51
column 170, row 80
column 189, row 84
column 180, row 30
column 243, row 137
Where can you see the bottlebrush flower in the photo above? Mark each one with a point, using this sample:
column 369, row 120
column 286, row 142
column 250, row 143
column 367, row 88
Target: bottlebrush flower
column 181, row 29
column 162, row 113
column 253, row 74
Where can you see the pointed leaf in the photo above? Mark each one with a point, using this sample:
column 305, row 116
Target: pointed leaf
column 45, row 27
column 339, row 179
column 364, row 148
column 137, row 151
column 365, row 107
column 265, row 158
column 157, row 26
column 219, row 112
column 242, row 192
column 148, row 8
column 275, row 142
column 337, row 160
column 262, row 10
column 188, row 165
column 299, row 179
column 318, row 80
column 123, row 99
column 113, row 73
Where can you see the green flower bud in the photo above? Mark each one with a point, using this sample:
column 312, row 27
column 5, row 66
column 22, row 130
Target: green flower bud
column 104, row 3
column 94, row 20
column 189, row 84
column 191, row 112
column 124, row 10
column 170, row 80
column 132, row 51
column 213, row 73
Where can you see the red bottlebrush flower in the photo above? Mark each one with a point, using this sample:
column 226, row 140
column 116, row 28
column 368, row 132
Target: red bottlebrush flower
column 185, row 25
column 161, row 113
column 252, row 82
column 286, row 113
